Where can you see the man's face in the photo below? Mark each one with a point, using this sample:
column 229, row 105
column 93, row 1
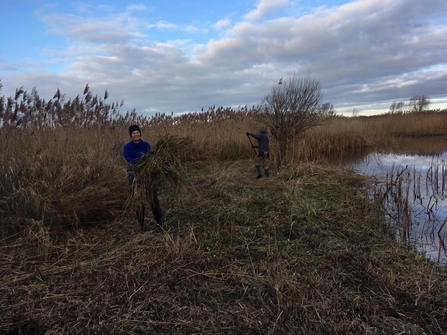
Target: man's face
column 136, row 136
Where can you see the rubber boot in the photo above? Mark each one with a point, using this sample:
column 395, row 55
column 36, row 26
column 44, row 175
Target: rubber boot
column 258, row 169
column 267, row 173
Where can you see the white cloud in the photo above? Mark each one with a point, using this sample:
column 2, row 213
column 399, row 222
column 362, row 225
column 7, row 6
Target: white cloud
column 136, row 8
column 222, row 24
column 163, row 25
column 108, row 29
column 264, row 8
column 366, row 54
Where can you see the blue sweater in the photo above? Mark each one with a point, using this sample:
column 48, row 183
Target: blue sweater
column 132, row 151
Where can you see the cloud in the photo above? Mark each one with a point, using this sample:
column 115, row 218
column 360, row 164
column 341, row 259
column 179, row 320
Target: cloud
column 168, row 26
column 7, row 67
column 136, row 8
column 109, row 29
column 264, row 8
column 222, row 24
column 163, row 25
column 366, row 54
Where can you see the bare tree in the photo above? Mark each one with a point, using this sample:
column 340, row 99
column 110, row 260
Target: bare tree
column 293, row 107
column 419, row 103
column 397, row 107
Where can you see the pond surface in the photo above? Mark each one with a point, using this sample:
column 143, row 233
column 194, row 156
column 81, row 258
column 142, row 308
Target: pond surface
column 411, row 180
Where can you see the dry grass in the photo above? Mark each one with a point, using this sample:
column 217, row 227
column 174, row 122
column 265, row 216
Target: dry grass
column 75, row 175
column 302, row 252
column 295, row 253
column 60, row 177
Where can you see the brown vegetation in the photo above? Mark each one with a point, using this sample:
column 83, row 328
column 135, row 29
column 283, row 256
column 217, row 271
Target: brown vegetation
column 302, row 252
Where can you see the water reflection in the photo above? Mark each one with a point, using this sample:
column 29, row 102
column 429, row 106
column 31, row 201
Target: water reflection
column 412, row 177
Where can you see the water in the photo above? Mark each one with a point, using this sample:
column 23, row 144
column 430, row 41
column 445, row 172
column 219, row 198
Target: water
column 413, row 176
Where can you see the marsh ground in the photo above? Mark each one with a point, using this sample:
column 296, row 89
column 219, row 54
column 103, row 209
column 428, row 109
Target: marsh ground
column 302, row 252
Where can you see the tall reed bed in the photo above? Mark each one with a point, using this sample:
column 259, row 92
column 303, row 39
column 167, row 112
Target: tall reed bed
column 75, row 175
column 430, row 123
column 61, row 159
column 217, row 133
column 60, row 176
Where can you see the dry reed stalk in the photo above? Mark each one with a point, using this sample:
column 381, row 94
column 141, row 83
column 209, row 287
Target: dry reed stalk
column 407, row 220
column 443, row 175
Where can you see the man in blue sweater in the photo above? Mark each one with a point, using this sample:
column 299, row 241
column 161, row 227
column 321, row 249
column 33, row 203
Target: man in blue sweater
column 133, row 152
column 135, row 149
column 262, row 157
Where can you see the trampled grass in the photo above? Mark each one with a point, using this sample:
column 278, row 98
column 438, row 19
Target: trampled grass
column 295, row 253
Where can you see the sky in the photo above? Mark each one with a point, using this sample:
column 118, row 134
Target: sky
column 173, row 56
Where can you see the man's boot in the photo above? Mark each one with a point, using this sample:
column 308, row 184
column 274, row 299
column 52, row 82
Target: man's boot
column 266, row 172
column 258, row 169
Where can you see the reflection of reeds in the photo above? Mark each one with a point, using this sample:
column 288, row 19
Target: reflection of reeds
column 443, row 177
column 442, row 236
column 403, row 202
column 395, row 196
column 416, row 185
column 406, row 212
column 398, row 184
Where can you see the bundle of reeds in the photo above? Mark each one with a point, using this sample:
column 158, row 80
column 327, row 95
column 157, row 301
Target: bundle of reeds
column 161, row 167
column 164, row 162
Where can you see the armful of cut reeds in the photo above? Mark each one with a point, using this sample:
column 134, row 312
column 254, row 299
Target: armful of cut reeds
column 165, row 161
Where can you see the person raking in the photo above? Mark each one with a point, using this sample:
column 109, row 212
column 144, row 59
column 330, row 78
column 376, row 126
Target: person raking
column 262, row 155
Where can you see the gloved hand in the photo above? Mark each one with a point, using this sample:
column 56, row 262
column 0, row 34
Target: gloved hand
column 247, row 133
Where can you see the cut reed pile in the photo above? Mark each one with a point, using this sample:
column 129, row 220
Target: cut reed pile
column 158, row 174
column 297, row 253
column 166, row 161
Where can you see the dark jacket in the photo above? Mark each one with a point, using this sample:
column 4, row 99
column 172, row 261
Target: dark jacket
column 132, row 151
column 263, row 142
